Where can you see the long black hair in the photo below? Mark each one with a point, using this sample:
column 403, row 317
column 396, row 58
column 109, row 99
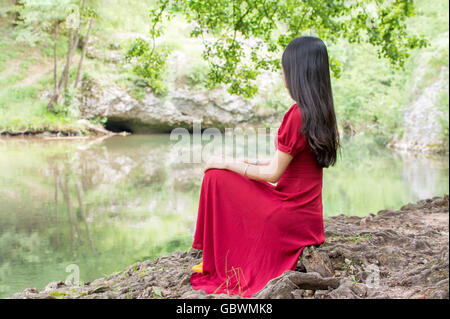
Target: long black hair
column 307, row 76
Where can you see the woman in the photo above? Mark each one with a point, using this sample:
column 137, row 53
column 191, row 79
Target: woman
column 251, row 231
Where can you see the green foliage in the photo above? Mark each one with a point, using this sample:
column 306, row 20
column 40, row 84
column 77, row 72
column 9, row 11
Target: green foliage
column 370, row 95
column 37, row 18
column 21, row 109
column 149, row 63
column 138, row 93
column 58, row 293
column 197, row 76
column 271, row 25
column 99, row 120
column 123, row 15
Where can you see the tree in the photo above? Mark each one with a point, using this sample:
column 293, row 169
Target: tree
column 91, row 15
column 17, row 17
column 43, row 21
column 83, row 16
column 225, row 25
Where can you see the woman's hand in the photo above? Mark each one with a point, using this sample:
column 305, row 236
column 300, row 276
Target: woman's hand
column 270, row 172
column 219, row 162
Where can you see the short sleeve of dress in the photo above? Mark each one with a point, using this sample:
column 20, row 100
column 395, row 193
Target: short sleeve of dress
column 289, row 138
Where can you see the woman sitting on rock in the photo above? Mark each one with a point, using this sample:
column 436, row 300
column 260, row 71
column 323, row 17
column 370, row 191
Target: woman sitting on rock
column 250, row 230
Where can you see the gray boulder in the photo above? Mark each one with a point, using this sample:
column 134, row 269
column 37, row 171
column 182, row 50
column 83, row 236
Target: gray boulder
column 179, row 108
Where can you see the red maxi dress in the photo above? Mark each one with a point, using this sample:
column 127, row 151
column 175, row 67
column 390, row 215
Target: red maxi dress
column 252, row 231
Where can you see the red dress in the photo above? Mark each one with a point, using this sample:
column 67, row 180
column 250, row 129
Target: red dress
column 252, row 231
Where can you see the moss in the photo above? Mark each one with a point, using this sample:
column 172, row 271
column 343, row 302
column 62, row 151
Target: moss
column 138, row 93
column 58, row 293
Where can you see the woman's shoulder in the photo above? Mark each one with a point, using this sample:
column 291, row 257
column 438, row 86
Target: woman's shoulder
column 293, row 114
column 290, row 138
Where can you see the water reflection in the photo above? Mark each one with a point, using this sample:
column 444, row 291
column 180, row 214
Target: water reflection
column 105, row 203
column 424, row 173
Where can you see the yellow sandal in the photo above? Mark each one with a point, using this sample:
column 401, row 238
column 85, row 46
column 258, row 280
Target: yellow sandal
column 198, row 268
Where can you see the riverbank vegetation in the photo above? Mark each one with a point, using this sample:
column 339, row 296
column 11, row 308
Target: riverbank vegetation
column 371, row 96
column 108, row 202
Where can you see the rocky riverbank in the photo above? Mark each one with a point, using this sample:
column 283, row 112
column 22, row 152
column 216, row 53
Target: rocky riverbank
column 80, row 128
column 391, row 254
column 181, row 107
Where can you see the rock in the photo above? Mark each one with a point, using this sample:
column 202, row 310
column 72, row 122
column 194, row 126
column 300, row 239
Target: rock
column 312, row 281
column 181, row 108
column 98, row 289
column 103, row 54
column 421, row 244
column 282, row 287
column 298, row 293
column 278, row 288
column 365, row 220
column 409, row 206
column 316, row 261
column 191, row 295
column 54, row 286
column 440, row 294
column 439, row 202
column 31, row 291
column 422, row 131
column 346, row 290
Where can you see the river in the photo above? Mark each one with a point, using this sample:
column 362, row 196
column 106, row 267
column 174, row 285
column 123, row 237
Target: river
column 98, row 205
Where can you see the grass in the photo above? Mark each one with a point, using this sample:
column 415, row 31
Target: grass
column 370, row 96
column 21, row 107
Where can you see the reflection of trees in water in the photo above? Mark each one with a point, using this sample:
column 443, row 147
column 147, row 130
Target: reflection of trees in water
column 63, row 176
column 121, row 178
column 98, row 197
column 110, row 164
column 423, row 173
column 141, row 166
column 62, row 207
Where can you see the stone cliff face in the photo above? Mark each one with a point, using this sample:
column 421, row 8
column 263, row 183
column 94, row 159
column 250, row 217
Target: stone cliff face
column 422, row 128
column 180, row 108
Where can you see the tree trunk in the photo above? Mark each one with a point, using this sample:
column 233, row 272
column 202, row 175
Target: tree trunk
column 68, row 62
column 17, row 17
column 57, row 183
column 65, row 192
column 79, row 188
column 64, row 81
column 51, row 104
column 72, row 49
column 55, row 57
column 83, row 53
column 77, row 37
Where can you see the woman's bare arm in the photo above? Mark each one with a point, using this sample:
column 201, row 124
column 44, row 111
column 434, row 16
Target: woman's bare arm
column 270, row 173
column 258, row 162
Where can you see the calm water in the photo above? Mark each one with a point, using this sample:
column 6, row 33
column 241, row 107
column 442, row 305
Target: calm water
column 104, row 204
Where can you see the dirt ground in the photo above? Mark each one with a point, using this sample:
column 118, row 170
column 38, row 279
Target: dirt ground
column 391, row 254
